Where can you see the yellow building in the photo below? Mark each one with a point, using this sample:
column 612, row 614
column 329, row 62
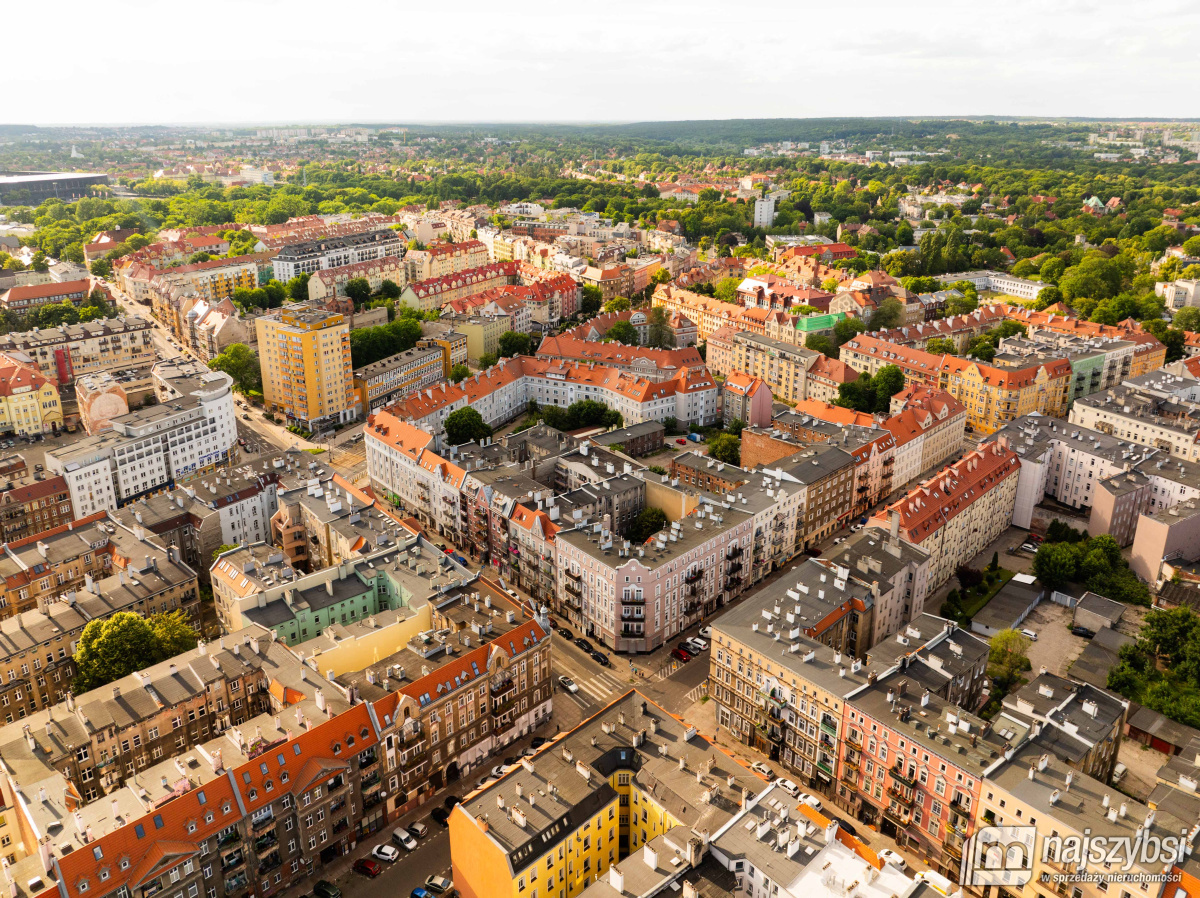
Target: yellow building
column 482, row 333
column 995, row 397
column 598, row 793
column 28, row 401
column 305, row 355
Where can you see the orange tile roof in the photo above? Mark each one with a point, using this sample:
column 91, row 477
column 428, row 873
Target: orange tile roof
column 386, row 427
column 834, row 414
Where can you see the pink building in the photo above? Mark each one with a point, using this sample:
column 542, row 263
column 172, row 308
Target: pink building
column 746, row 398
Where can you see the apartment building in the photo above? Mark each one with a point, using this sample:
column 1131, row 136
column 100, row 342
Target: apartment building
column 32, row 505
column 453, row 344
column 826, row 475
column 897, row 573
column 69, row 351
column 709, row 314
column 636, row 598
column 212, row 328
column 957, row 513
column 306, row 366
column 629, row 781
column 874, row 458
column 406, row 372
column 312, row 256
column 27, row 298
column 1033, row 787
column 29, row 402
column 1148, row 354
column 928, row 426
column 503, row 391
column 643, row 361
column 1097, row 363
column 912, row 763
column 440, row 259
column 780, row 690
column 826, row 377
column 190, row 432
column 704, row 473
column 434, row 293
column 782, row 366
column 776, row 507
column 330, row 283
column 747, row 399
column 867, row 353
column 1130, row 414
column 955, row 660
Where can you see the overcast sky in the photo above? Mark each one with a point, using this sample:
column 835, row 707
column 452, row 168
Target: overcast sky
column 621, row 60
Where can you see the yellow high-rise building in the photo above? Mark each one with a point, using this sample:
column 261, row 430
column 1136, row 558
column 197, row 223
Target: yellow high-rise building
column 306, row 372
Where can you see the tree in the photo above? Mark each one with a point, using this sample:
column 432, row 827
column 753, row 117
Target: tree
column 617, row 304
column 1056, row 564
column 459, row 373
column 646, row 524
column 591, row 300
column 359, row 290
column 488, row 359
column 101, row 268
column 887, row 382
column 726, row 289
column 174, row 633
column 727, row 448
column 941, row 346
column 846, row 329
column 297, row 287
column 1008, row 657
column 389, row 290
column 968, row 577
column 513, row 344
column 1187, row 319
column 39, row 262
column 465, row 425
column 735, row 427
column 222, row 549
column 889, row 314
column 623, row 332
column 57, row 313
column 241, row 363
column 822, row 344
column 830, row 284
column 113, row 647
column 659, row 333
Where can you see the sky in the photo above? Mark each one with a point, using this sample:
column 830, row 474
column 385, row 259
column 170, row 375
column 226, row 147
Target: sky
column 304, row 61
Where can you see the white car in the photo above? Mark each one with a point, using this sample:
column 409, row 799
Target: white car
column 788, row 786
column 568, row 684
column 706, row 632
column 402, row 837
column 698, row 644
column 760, row 767
column 385, row 853
column 811, row 800
column 887, row 856
column 499, row 770
column 1030, row 635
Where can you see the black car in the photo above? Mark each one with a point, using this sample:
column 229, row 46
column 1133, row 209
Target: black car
column 601, row 659
column 686, row 649
column 1082, row 631
column 440, row 816
column 509, row 761
column 846, row 826
column 584, row 644
column 451, row 801
column 538, row 742
column 564, row 632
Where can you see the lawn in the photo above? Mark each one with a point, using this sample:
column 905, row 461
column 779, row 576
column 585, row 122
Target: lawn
column 973, row 604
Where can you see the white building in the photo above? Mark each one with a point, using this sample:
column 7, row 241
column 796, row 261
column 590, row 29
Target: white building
column 191, row 431
column 1178, row 294
column 335, row 252
column 764, row 212
column 996, row 281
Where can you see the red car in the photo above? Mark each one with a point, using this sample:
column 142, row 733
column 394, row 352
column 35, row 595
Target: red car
column 367, row 867
column 681, row 441
column 680, row 655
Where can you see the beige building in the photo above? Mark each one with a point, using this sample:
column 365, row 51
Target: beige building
column 72, row 350
column 306, row 369
column 214, row 327
column 482, row 333
column 328, row 283
column 782, row 366
column 101, row 398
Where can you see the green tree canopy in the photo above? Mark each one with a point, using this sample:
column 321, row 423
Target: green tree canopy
column 465, row 425
column 623, row 332
column 459, row 373
column 618, row 304
column 513, row 344
column 114, row 647
column 727, row 448
column 646, row 524
column 358, row 289
column 241, row 363
column 659, row 333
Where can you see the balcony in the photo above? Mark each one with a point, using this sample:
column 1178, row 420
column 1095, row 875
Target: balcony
column 257, row 826
column 853, row 738
column 733, row 568
column 828, row 725
column 236, row 884
column 909, row 779
column 851, row 759
column 850, row 775
column 634, row 600
column 262, row 843
column 574, row 588
column 826, row 765
column 340, row 826
column 734, row 552
column 371, row 780
column 573, row 575
column 899, row 816
column 692, row 607
column 900, row 795
column 771, row 699
column 228, row 839
column 367, row 759
column 695, row 575
column 233, row 861
column 269, row 863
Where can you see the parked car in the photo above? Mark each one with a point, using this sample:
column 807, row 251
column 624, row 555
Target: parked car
column 419, row 892
column 1029, row 634
column 680, row 656
column 788, row 786
column 440, row 816
column 706, row 632
column 760, row 767
column 601, row 659
column 887, row 856
column 568, row 684
column 695, row 437
column 584, row 644
column 846, row 825
column 538, row 742
column 681, row 441
column 1082, row 631
column 450, row 801
column 418, row 830
column 367, row 867
column 499, row 770
column 811, row 800
column 325, row 889
column 439, row 885
column 684, row 647
column 245, row 417
column 387, row 853
column 404, row 838
column 484, row 782
column 1119, row 773
column 697, row 643
column 528, row 752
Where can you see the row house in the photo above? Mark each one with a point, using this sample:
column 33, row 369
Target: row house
column 874, row 459
column 928, row 426
column 643, row 361
column 330, row 283
column 434, row 293
column 709, row 314
column 33, row 506
column 957, row 513
column 69, row 351
column 782, row 366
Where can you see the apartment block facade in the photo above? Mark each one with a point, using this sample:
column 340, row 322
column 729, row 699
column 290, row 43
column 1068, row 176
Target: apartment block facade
column 306, row 366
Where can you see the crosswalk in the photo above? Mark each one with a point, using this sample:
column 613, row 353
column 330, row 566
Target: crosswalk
column 598, row 688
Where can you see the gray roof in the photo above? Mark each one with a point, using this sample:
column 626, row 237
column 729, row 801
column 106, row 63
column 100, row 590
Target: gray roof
column 1081, row 714
column 958, row 653
column 1006, row 605
column 688, row 536
column 1099, row 605
column 1161, row 726
column 813, row 464
column 627, row 433
column 1099, row 656
column 1031, row 435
